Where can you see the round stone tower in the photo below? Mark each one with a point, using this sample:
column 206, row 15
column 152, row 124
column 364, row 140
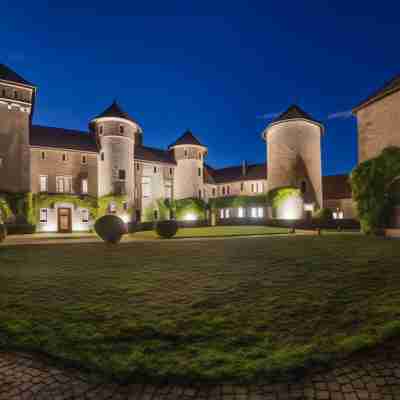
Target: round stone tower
column 189, row 154
column 116, row 133
column 294, row 154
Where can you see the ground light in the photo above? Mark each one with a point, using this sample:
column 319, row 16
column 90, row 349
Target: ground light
column 190, row 217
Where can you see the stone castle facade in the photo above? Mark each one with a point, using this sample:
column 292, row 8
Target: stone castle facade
column 110, row 162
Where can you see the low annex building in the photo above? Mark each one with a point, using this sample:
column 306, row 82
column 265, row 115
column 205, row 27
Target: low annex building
column 68, row 170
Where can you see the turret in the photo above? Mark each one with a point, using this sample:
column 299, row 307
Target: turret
column 189, row 154
column 294, row 154
column 16, row 103
column 116, row 134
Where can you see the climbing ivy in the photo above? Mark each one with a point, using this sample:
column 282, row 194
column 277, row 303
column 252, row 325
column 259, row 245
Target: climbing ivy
column 104, row 202
column 18, row 205
column 238, row 201
column 276, row 197
column 372, row 183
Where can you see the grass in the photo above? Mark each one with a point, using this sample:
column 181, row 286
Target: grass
column 216, row 231
column 209, row 310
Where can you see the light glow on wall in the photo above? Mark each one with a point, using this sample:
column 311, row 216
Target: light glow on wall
column 190, row 217
column 125, row 218
column 291, row 208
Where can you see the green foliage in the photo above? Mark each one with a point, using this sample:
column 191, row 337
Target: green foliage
column 5, row 210
column 110, row 228
column 323, row 215
column 3, row 232
column 18, row 205
column 371, row 184
column 276, row 197
column 167, row 229
column 238, row 201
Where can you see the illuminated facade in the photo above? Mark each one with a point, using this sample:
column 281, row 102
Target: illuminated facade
column 110, row 163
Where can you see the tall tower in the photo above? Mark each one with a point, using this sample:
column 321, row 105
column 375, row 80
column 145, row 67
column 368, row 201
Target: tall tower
column 116, row 133
column 294, row 154
column 16, row 106
column 189, row 154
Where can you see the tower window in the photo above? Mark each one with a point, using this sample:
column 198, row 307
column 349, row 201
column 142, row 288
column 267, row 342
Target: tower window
column 84, row 159
column 84, row 186
column 155, row 170
column 64, row 157
column 15, row 94
column 121, row 174
column 102, row 156
column 199, row 171
column 303, row 187
column 242, row 187
column 43, row 155
column 100, row 129
column 121, row 129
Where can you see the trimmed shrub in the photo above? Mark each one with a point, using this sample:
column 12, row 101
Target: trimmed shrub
column 20, row 229
column 167, row 229
column 323, row 216
column 110, row 228
column 3, row 232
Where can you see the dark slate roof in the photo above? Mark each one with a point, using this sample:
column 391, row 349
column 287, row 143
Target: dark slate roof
column 186, row 138
column 7, row 74
column 234, row 174
column 115, row 110
column 45, row 136
column 294, row 112
column 336, row 187
column 389, row 87
column 152, row 154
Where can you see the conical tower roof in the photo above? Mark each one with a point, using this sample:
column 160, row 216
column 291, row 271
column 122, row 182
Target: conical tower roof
column 187, row 138
column 294, row 112
column 115, row 110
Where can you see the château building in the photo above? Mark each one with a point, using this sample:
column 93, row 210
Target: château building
column 111, row 163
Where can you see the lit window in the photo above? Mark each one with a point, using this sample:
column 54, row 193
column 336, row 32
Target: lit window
column 146, row 188
column 221, row 213
column 121, row 174
column 240, row 212
column 64, row 184
column 85, row 186
column 84, row 159
column 121, row 129
column 43, row 215
column 227, row 212
column 43, row 155
column 60, row 184
column 338, row 214
column 112, row 207
column 43, row 183
column 254, row 212
column 85, row 215
column 260, row 212
column 64, row 156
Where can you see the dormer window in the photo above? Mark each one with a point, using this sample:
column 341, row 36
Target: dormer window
column 121, row 129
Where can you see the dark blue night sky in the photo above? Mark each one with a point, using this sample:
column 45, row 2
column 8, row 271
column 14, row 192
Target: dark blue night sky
column 219, row 68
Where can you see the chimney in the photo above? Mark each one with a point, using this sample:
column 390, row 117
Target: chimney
column 244, row 167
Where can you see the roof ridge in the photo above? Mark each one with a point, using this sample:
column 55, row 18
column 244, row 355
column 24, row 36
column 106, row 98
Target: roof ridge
column 57, row 127
column 8, row 74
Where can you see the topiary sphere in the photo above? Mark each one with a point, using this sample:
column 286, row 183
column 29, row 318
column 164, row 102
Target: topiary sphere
column 166, row 229
column 110, row 228
column 3, row 232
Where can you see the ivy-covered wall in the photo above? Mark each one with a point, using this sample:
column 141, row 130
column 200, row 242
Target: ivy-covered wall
column 286, row 202
column 373, row 187
column 238, row 201
column 18, row 205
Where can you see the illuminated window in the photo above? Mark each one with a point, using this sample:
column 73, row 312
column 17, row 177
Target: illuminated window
column 85, row 185
column 84, row 159
column 254, row 212
column 43, row 183
column 260, row 212
column 338, row 214
column 240, row 212
column 85, row 215
column 221, row 213
column 227, row 212
column 43, row 215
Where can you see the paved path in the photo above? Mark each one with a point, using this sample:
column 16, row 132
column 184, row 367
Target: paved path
column 372, row 375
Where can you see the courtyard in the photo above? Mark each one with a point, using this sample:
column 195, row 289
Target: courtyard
column 204, row 310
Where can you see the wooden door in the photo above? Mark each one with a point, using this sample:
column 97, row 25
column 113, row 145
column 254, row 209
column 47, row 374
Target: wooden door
column 64, row 220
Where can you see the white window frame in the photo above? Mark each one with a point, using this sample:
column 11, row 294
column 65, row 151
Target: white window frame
column 43, row 179
column 60, row 184
column 63, row 183
column 85, row 186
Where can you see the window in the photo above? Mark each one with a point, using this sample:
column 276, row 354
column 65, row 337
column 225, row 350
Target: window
column 260, row 212
column 168, row 191
column 242, row 187
column 338, row 214
column 43, row 215
column 240, row 212
column 85, row 186
column 100, row 129
column 15, row 94
column 186, row 153
column 125, row 205
column 64, row 184
column 137, row 166
column 84, row 159
column 213, row 192
column 3, row 92
column 121, row 129
column 252, row 187
column 43, row 183
column 199, row 171
column 221, row 213
column 155, row 170
column 146, row 188
column 85, row 215
column 155, row 214
column 223, row 190
column 102, row 156
column 257, row 212
column 228, row 190
column 121, row 174
column 303, row 187
column 43, row 155
column 68, row 184
column 171, row 171
column 60, row 184
column 112, row 207
column 199, row 194
column 227, row 212
column 64, row 157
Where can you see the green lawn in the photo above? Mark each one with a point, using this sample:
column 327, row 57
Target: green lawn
column 215, row 231
column 215, row 309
